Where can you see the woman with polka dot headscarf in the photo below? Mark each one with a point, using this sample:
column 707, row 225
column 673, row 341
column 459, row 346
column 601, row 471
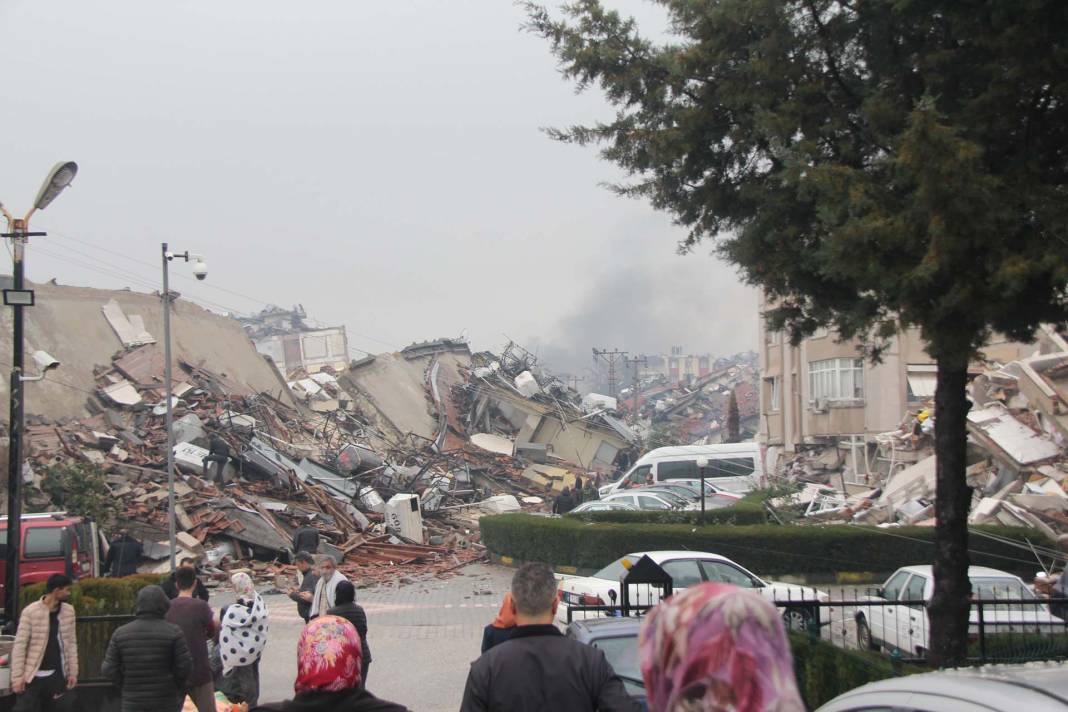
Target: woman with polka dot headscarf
column 241, row 640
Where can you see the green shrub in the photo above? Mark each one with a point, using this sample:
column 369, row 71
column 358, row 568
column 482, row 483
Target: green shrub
column 825, row 671
column 97, row 597
column 766, row 549
column 748, row 510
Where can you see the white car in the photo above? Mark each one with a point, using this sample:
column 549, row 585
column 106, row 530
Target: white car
column 651, row 500
column 905, row 627
column 686, row 568
column 599, row 506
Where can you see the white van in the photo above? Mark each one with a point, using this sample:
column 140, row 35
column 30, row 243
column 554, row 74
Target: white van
column 737, row 467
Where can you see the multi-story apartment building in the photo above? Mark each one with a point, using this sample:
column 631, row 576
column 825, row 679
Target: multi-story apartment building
column 823, row 391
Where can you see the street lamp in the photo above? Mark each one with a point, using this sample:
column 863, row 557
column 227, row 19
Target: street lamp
column 200, row 270
column 702, row 464
column 58, row 178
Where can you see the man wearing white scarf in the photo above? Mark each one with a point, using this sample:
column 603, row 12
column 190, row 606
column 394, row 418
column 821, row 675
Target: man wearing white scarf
column 325, row 595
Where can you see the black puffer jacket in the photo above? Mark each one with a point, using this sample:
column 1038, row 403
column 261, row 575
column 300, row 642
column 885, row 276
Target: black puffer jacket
column 148, row 659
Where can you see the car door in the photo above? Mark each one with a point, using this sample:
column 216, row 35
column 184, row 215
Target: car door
column 912, row 616
column 649, row 501
column 882, row 620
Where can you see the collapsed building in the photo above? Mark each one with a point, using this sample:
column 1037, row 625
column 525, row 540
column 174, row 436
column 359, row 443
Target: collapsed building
column 394, row 458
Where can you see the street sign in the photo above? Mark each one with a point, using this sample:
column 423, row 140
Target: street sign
column 19, row 297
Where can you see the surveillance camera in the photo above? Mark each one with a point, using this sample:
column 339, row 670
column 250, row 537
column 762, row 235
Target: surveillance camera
column 200, row 270
column 45, row 361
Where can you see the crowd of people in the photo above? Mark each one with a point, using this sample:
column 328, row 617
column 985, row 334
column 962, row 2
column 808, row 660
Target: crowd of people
column 709, row 647
column 569, row 498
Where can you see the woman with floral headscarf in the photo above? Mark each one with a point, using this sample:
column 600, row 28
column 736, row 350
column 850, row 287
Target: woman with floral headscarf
column 328, row 672
column 717, row 647
column 242, row 637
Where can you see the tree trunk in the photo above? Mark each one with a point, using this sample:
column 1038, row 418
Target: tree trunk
column 948, row 612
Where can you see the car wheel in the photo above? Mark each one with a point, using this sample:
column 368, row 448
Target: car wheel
column 797, row 619
column 864, row 641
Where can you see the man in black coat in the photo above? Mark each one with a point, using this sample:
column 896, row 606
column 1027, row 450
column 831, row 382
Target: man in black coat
column 306, row 539
column 148, row 659
column 538, row 668
column 345, row 607
column 564, row 502
column 302, row 595
column 170, row 586
column 219, row 454
column 124, row 554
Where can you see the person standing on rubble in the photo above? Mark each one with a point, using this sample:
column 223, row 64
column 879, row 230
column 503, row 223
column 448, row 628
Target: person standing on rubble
column 148, row 659
column 563, row 503
column 44, row 658
column 325, row 595
column 194, row 617
column 124, row 554
column 219, row 454
column 577, row 492
column 538, row 668
column 170, row 585
column 303, row 594
column 348, row 609
column 306, row 539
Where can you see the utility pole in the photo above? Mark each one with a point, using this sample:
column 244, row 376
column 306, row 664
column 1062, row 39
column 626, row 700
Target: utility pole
column 573, row 381
column 611, row 358
column 633, row 364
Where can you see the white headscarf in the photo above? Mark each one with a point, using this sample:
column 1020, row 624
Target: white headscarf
column 244, row 627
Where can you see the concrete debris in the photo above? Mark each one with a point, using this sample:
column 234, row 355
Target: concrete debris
column 131, row 331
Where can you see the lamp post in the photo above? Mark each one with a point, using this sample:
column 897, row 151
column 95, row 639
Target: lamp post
column 702, row 463
column 58, row 178
column 200, row 270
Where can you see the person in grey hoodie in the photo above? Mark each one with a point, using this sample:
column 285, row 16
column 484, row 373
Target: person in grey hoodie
column 148, row 659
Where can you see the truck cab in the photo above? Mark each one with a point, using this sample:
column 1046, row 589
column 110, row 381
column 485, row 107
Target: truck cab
column 52, row 543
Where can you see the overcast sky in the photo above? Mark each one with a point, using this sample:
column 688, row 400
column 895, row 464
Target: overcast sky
column 379, row 162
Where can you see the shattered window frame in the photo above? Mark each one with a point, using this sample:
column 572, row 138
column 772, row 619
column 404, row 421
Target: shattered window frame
column 836, row 380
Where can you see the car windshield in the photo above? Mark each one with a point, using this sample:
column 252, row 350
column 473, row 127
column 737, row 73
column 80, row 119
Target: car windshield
column 669, row 497
column 622, row 654
column 1003, row 589
column 615, row 570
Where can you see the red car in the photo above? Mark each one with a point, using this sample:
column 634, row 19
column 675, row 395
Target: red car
column 52, row 543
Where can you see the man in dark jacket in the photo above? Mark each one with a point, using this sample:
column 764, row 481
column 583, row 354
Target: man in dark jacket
column 564, row 503
column 124, row 555
column 302, row 595
column 219, row 454
column 538, row 668
column 148, row 659
column 306, row 539
column 170, row 586
column 195, row 619
column 345, row 607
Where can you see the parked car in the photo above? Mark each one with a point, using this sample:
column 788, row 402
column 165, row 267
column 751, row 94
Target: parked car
column 686, row 568
column 618, row 638
column 737, row 467
column 691, row 496
column 992, row 688
column 905, row 627
column 52, row 543
column 599, row 506
column 664, row 501
column 712, row 490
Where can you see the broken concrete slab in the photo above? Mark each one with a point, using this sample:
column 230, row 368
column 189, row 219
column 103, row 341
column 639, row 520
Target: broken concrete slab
column 1007, row 438
column 122, row 393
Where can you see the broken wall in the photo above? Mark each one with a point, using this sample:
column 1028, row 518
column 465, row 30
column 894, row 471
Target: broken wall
column 68, row 323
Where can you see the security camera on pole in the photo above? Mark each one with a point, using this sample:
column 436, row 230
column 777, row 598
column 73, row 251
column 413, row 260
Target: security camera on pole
column 18, row 297
column 200, row 271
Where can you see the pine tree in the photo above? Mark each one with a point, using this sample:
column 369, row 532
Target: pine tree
column 872, row 165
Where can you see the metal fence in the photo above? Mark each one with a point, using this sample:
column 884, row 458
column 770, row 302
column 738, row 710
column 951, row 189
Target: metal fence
column 94, row 633
column 1001, row 629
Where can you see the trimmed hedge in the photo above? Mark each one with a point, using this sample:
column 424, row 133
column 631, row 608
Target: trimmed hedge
column 97, row 597
column 824, row 671
column 769, row 550
column 748, row 510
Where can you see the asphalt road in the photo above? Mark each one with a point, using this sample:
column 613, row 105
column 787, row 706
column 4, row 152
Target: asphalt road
column 423, row 637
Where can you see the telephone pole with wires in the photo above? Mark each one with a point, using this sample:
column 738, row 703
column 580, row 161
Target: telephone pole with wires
column 611, row 358
column 633, row 364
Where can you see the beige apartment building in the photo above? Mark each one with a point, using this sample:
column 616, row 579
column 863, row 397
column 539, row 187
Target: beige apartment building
column 822, row 391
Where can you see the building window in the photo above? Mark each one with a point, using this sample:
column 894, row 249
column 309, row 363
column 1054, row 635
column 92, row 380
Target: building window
column 774, row 387
column 836, row 379
column 922, row 379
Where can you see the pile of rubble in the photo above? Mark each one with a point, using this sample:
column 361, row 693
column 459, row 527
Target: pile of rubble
column 506, row 436
column 1017, row 462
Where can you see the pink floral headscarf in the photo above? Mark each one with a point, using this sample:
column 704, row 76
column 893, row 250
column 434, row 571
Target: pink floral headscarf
column 328, row 656
column 717, row 647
